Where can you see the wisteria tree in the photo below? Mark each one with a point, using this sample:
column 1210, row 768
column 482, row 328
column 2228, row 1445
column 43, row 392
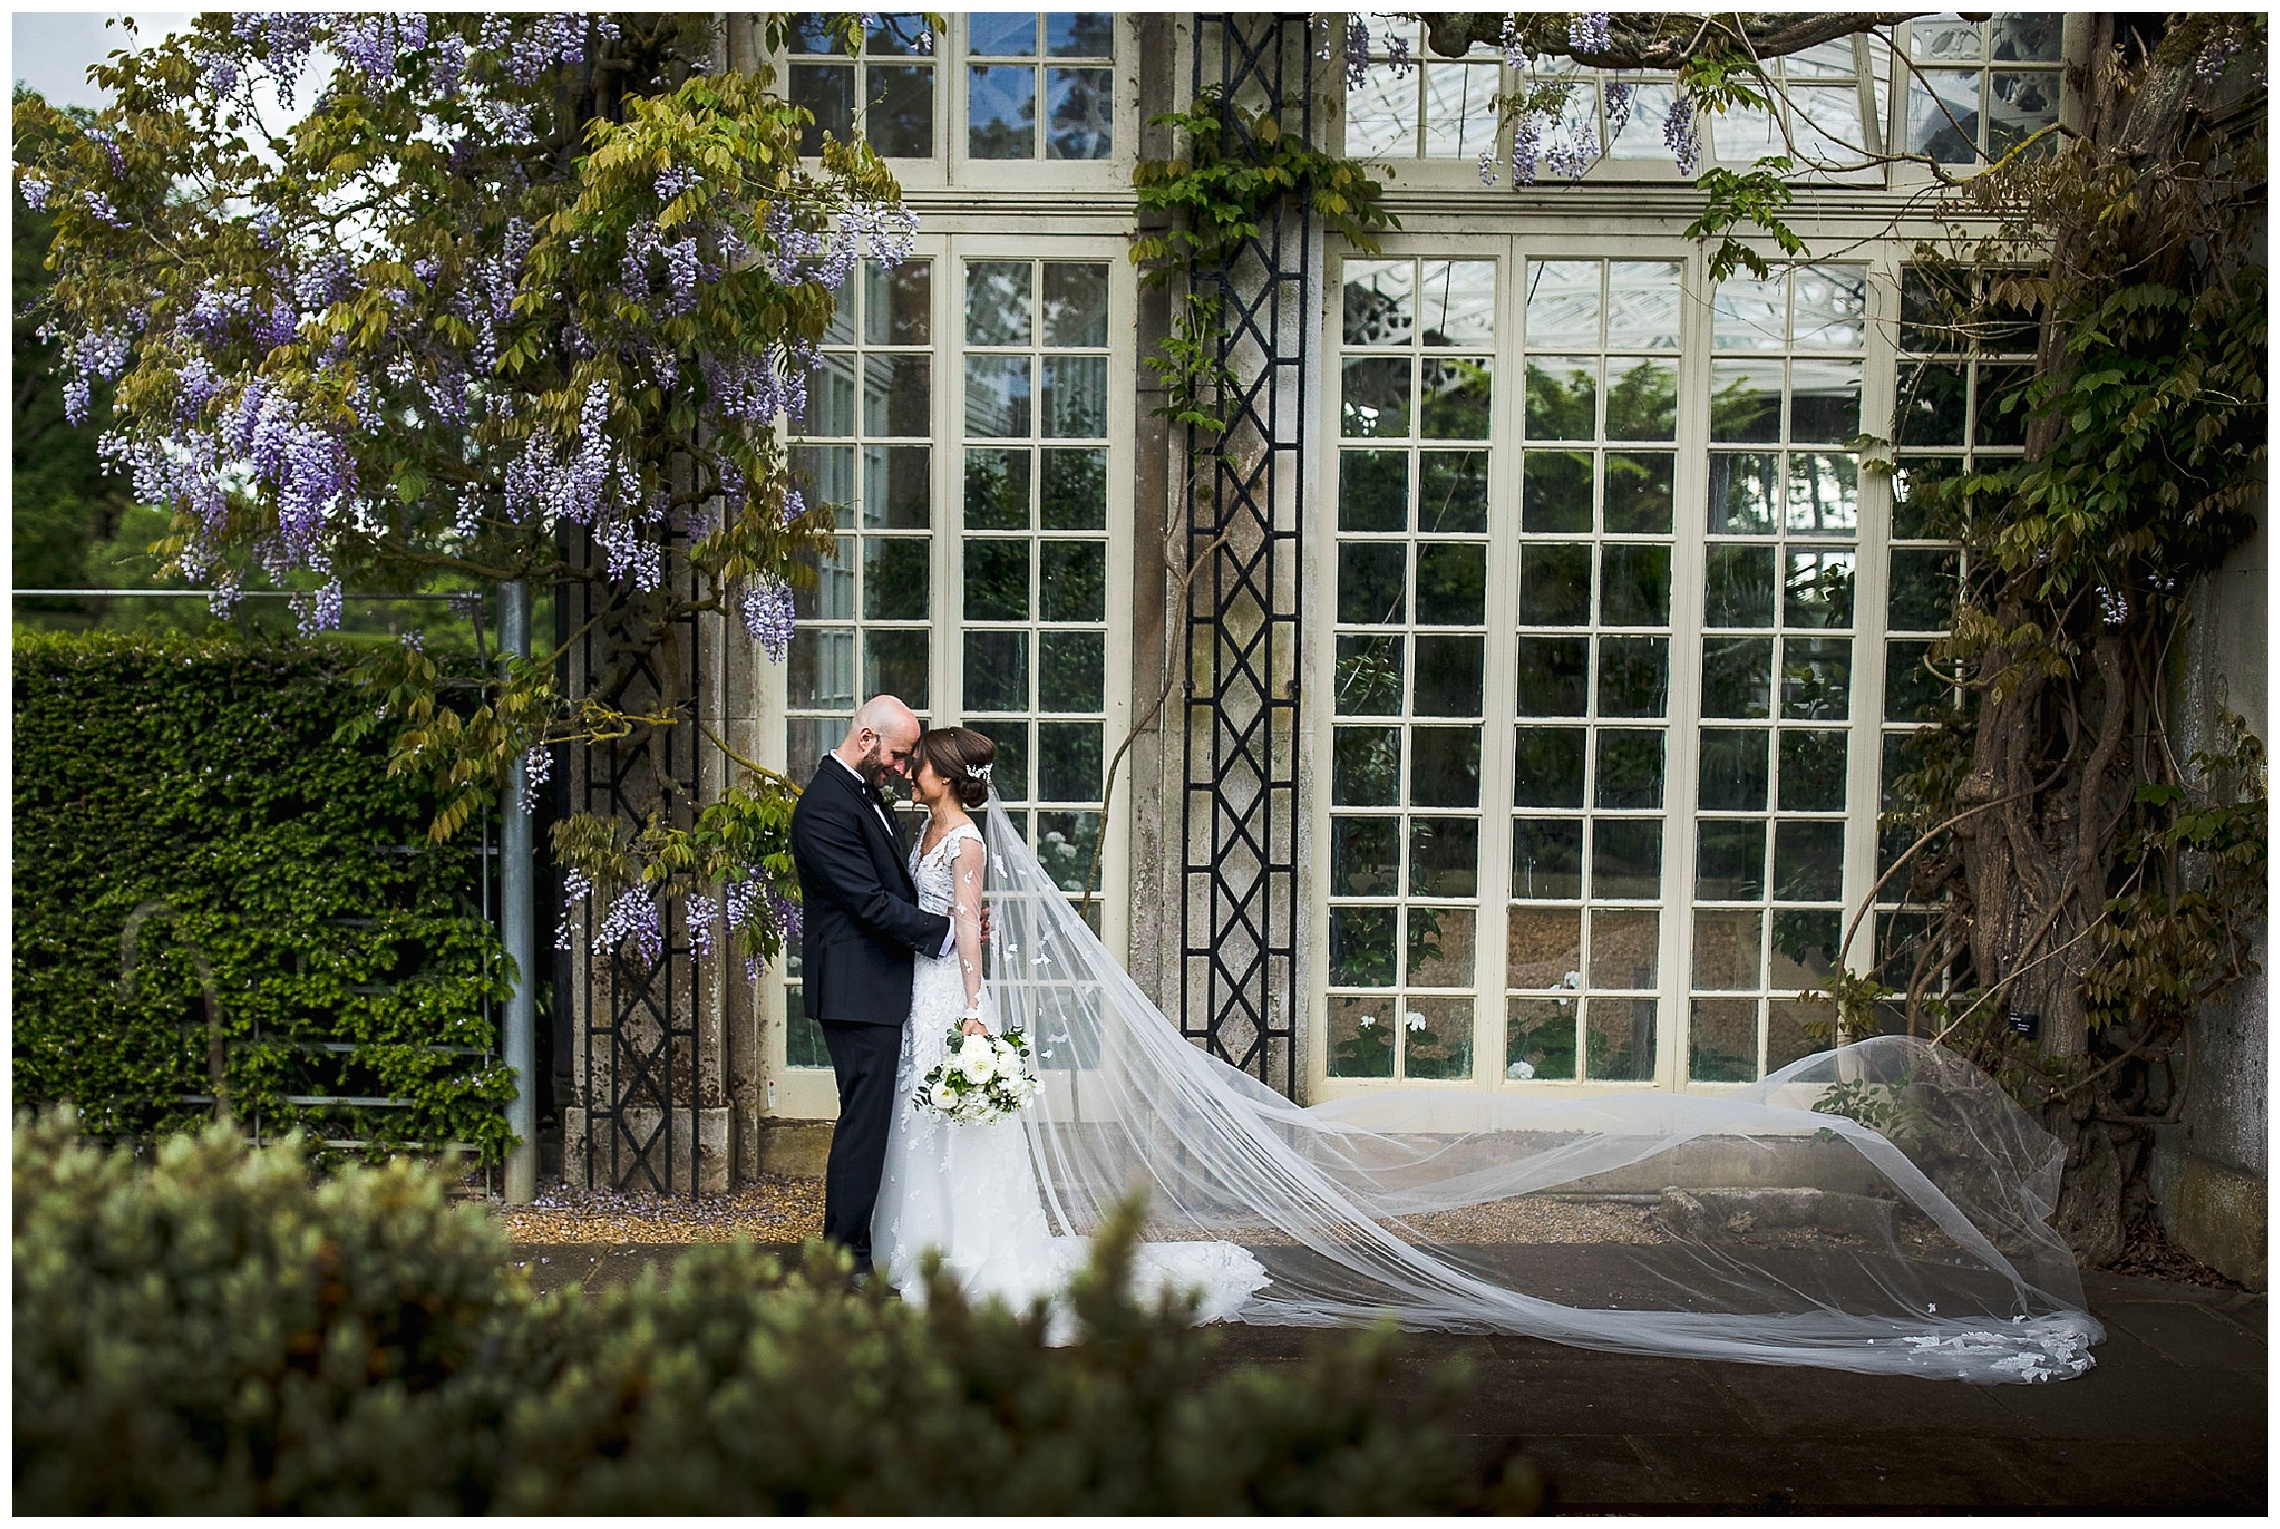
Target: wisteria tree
column 486, row 290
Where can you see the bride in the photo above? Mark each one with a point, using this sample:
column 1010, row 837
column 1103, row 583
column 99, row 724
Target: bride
column 1881, row 1207
column 967, row 1191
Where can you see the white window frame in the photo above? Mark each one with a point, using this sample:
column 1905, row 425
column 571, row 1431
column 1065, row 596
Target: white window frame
column 810, row 1092
column 1864, row 722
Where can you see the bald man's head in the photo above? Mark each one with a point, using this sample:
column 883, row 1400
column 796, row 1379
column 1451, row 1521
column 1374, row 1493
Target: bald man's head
column 880, row 740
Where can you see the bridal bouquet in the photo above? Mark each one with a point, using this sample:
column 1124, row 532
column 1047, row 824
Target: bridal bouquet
column 982, row 1078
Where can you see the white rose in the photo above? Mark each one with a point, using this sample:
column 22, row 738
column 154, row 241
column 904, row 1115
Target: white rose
column 977, row 1067
column 973, row 1046
column 1008, row 1063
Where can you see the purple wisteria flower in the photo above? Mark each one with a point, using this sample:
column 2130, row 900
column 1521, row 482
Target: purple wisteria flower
column 699, row 914
column 281, row 40
column 318, row 610
column 1515, row 51
column 538, row 765
column 633, row 916
column 1525, row 147
column 1680, row 134
column 1357, row 54
column 1588, row 33
column 671, row 183
column 375, row 46
column 767, row 612
column 111, row 149
column 100, row 206
column 1619, row 100
column 577, row 886
column 1488, row 169
column 34, row 189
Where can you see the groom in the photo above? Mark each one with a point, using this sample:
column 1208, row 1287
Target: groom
column 863, row 928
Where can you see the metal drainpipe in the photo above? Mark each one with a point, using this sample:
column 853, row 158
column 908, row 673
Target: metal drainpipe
column 515, row 926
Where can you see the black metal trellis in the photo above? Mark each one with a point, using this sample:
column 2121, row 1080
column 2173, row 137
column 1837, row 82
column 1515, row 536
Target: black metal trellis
column 640, row 1060
column 1238, row 920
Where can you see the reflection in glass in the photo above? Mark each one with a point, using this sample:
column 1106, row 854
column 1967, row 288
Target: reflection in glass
column 1076, row 303
column 1070, row 671
column 1452, row 583
column 1454, row 399
column 1073, row 495
column 1552, row 674
column 997, row 395
column 1080, row 113
column 1373, row 583
column 1642, row 401
column 1001, row 111
column 997, row 671
column 895, row 663
column 1458, row 303
column 1824, row 400
column 1369, row 682
column 1630, row 773
column 1547, row 858
column 997, row 489
column 1634, row 584
column 1547, row 767
column 1380, row 301
column 1733, row 769
column 1824, row 493
column 1449, row 675
column 1813, row 770
column 1365, row 766
column 1444, row 767
column 1555, row 584
column 1619, row 1040
column 1556, row 491
column 1808, row 861
column 1563, row 394
column 1374, row 397
column 1816, row 678
column 1452, row 492
column 1634, row 676
column 1625, row 947
column 1638, row 492
column 1068, row 761
column 997, row 302
column 1543, row 948
column 1737, row 676
column 1923, row 588
column 1832, row 304
column 1626, row 857
column 1930, row 411
column 1642, row 298
column 1729, row 860
column 1072, row 583
column 996, row 579
column 1365, row 857
column 1721, row 1045
column 1817, row 590
column 1726, row 949
column 1539, row 1039
column 896, row 577
column 1738, row 586
column 1744, row 490
column 897, row 484
column 1373, row 491
column 897, row 302
column 1444, row 859
column 895, row 395
column 1076, row 397
column 1563, row 304
column 1745, row 400
column 898, row 119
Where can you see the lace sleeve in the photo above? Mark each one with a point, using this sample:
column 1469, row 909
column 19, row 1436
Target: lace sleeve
column 966, row 884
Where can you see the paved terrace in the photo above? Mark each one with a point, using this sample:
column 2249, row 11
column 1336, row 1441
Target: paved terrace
column 2173, row 1419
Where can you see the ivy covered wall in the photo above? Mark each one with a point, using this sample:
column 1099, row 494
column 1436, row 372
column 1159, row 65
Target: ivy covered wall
column 213, row 897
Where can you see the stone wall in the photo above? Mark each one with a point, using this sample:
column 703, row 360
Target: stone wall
column 2211, row 1171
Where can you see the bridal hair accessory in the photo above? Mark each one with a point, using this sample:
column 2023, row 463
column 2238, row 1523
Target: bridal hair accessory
column 978, row 772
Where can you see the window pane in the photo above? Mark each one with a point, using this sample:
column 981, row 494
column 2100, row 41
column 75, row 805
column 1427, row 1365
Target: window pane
column 1923, row 588
column 1539, row 1039
column 1373, row 582
column 1824, row 400
column 1076, row 304
column 1079, row 34
column 1642, row 401
column 1912, row 512
column 898, row 120
column 1370, row 675
column 1729, row 862
column 1365, row 766
column 1365, row 857
column 1750, row 313
column 1625, row 947
column 897, row 484
column 828, row 91
column 895, row 396
column 1362, row 946
column 997, row 579
column 1795, row 1030
column 1563, row 304
column 2025, row 39
column 1912, row 691
column 811, row 32
column 1001, row 34
column 1460, row 110
column 1076, row 397
column 1832, row 304
column 1733, row 773
column 1738, row 586
column 1619, row 1039
column 1563, row 394
column 1072, row 581
column 1074, row 494
column 1555, row 584
column 1634, row 585
column 1381, row 117
column 1745, row 400
column 1639, row 492
column 1452, row 492
column 1068, row 761
column 997, row 395
column 997, row 489
column 832, row 596
column 1444, row 767
column 1547, row 858
column 1080, row 120
column 1804, row 948
column 1556, row 491
column 1943, row 115
column 1361, row 1038
column 1726, row 949
column 1458, row 302
column 1452, row 583
column 1816, row 678
column 1630, row 771
column 1813, row 771
column 1824, row 493
column 1721, row 1042
column 1380, row 302
column 897, row 302
column 1001, row 111
column 1818, row 588
column 1643, row 300
column 897, row 576
column 997, row 671
column 1626, row 857
column 1543, row 948
column 1737, row 676
column 895, row 35
column 1809, row 861
column 819, row 674
column 1744, row 490
column 1930, row 409
column 831, row 396
column 1069, row 671
column 1449, row 673
column 997, row 302
column 2000, row 418
column 1375, row 396
column 1547, row 767
column 828, row 473
column 1455, row 398
column 1634, row 676
column 2019, row 105
column 1444, row 861
column 1011, row 773
column 895, row 663
column 1552, row 677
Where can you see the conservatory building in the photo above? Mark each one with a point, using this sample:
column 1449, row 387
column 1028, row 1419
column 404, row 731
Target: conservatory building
column 1505, row 699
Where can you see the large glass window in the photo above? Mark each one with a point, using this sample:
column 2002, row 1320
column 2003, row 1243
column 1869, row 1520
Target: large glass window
column 1979, row 88
column 1418, row 105
column 886, row 95
column 1416, row 393
column 1779, row 608
column 1592, row 669
column 1033, row 582
column 1040, row 86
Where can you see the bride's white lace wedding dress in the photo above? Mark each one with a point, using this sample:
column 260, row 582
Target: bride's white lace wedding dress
column 972, row 1191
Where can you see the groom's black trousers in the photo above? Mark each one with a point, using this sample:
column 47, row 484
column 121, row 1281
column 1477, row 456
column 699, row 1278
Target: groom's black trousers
column 864, row 1058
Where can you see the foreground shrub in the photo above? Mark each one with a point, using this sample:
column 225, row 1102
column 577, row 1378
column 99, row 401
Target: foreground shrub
column 215, row 1329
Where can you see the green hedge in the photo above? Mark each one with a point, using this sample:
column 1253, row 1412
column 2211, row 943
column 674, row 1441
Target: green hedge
column 348, row 958
column 211, row 1329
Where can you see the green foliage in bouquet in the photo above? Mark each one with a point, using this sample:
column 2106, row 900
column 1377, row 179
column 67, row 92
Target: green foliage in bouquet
column 213, row 1329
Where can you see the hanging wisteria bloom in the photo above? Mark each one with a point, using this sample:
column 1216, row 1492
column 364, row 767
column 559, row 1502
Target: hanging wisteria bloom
column 632, row 916
column 767, row 609
column 1588, row 33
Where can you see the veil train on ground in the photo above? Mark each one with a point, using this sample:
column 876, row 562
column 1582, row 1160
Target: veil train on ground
column 1879, row 1207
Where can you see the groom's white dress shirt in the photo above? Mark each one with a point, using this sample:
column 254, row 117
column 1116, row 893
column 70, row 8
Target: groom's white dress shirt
column 951, row 942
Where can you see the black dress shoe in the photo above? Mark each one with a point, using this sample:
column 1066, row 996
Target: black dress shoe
column 857, row 1280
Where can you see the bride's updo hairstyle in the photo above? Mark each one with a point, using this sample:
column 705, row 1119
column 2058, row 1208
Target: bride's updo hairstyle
column 962, row 757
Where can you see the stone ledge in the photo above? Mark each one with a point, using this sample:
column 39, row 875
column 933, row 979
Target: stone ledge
column 2218, row 1214
column 794, row 1148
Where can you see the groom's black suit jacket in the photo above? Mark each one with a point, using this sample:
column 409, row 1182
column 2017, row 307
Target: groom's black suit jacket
column 861, row 923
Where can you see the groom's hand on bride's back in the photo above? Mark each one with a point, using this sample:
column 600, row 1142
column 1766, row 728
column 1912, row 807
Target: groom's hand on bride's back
column 985, row 923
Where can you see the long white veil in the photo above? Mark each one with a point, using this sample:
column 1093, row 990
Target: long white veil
column 1906, row 1234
